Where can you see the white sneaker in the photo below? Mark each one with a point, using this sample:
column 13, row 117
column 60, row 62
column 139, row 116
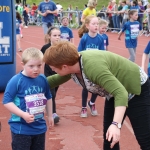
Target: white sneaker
column 83, row 113
column 113, row 31
column 26, row 27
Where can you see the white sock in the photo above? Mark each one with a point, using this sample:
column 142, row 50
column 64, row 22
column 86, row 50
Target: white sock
column 91, row 103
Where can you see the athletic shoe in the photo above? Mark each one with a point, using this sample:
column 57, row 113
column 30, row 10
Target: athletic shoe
column 20, row 50
column 93, row 109
column 56, row 118
column 83, row 113
column 113, row 31
column 26, row 27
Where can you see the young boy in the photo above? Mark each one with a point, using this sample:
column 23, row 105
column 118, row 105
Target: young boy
column 26, row 96
column 66, row 32
column 144, row 57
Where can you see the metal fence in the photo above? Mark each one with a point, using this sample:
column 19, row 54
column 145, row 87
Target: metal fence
column 75, row 20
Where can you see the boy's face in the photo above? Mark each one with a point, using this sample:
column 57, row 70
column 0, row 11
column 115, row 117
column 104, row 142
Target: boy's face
column 65, row 22
column 32, row 68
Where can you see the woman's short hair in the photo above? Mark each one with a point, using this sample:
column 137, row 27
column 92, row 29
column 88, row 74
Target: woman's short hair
column 62, row 53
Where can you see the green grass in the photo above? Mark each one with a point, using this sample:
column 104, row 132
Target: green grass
column 74, row 3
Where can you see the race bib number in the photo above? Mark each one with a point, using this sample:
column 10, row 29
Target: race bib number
column 65, row 37
column 134, row 31
column 35, row 105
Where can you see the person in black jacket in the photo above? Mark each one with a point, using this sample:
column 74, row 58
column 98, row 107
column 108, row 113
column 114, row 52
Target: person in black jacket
column 53, row 36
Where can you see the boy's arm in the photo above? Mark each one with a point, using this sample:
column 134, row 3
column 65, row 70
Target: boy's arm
column 49, row 111
column 15, row 110
column 144, row 58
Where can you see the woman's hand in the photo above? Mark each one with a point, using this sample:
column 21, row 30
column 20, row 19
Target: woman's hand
column 113, row 133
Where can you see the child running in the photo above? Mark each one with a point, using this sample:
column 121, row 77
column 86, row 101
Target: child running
column 144, row 58
column 90, row 40
column 103, row 24
column 53, row 36
column 66, row 32
column 131, row 29
column 18, row 26
column 26, row 96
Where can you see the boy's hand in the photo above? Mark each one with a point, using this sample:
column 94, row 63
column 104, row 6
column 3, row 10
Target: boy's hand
column 51, row 122
column 27, row 117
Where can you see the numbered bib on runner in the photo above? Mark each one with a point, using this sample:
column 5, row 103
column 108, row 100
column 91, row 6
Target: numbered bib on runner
column 35, row 105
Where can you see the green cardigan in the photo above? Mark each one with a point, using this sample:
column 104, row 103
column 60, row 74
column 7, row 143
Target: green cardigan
column 116, row 74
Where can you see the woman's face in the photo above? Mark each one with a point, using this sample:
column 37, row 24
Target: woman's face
column 55, row 36
column 63, row 71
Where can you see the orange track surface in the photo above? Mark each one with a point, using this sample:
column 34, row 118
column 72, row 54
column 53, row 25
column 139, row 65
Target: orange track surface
column 73, row 132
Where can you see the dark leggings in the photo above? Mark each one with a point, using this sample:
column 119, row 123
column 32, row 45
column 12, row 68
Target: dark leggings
column 85, row 96
column 26, row 20
column 138, row 112
column 28, row 142
column 53, row 92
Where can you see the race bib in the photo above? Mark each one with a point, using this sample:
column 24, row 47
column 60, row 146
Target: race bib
column 35, row 105
column 134, row 31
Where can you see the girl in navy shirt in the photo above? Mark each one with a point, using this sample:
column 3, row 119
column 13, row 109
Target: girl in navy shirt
column 131, row 29
column 90, row 39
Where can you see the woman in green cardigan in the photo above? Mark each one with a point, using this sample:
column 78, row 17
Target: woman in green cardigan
column 124, row 84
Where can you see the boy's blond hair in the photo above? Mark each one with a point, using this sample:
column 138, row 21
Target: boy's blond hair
column 102, row 22
column 31, row 53
column 64, row 17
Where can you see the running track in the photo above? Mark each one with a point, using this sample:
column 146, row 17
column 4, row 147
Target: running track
column 73, row 132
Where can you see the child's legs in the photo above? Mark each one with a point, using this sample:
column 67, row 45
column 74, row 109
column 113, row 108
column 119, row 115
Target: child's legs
column 18, row 40
column 28, row 142
column 93, row 98
column 20, row 142
column 38, row 142
column 132, row 52
column 84, row 97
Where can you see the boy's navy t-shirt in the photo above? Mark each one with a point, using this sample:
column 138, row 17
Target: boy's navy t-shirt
column 106, row 42
column 18, row 88
column 66, row 33
column 131, row 30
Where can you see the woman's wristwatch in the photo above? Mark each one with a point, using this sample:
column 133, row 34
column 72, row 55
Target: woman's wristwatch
column 117, row 124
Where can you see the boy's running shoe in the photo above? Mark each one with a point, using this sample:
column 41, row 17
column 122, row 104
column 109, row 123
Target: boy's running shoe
column 93, row 109
column 56, row 118
column 83, row 113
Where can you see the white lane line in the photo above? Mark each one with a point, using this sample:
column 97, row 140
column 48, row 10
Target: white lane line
column 33, row 43
column 128, row 126
column 18, row 55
